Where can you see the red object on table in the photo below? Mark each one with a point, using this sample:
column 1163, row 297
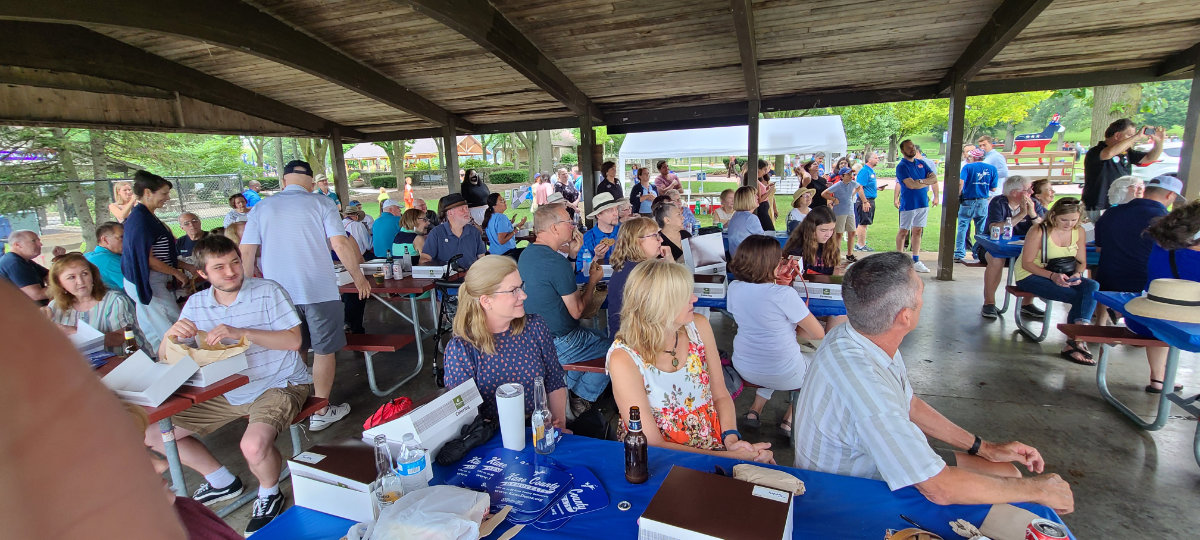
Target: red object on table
column 389, row 411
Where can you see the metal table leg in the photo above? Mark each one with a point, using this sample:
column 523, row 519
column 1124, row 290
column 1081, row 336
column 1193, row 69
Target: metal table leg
column 420, row 335
column 1164, row 399
column 1023, row 326
column 1011, row 280
column 172, row 453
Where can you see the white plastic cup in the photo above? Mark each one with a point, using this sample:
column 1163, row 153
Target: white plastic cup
column 510, row 408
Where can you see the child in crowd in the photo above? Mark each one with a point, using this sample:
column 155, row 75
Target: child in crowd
column 841, row 199
column 725, row 212
column 800, row 204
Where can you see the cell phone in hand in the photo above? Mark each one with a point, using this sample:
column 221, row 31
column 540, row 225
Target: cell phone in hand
column 1075, row 279
column 1147, row 131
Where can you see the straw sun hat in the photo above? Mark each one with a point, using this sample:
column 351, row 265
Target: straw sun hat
column 1169, row 299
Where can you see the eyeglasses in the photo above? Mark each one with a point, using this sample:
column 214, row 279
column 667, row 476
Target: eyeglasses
column 513, row 290
column 651, row 235
column 190, row 222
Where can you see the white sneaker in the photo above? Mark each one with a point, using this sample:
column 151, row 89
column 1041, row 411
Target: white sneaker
column 333, row 413
column 920, row 267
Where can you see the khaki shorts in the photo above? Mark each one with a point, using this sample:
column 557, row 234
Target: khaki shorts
column 845, row 224
column 276, row 407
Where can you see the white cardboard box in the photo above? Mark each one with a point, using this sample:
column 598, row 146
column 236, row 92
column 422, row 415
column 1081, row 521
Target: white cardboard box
column 718, row 269
column 216, row 371
column 336, row 480
column 143, row 381
column 433, row 423
column 87, row 339
column 343, row 278
column 709, row 286
column 429, row 272
column 826, row 291
column 608, row 271
column 372, row 266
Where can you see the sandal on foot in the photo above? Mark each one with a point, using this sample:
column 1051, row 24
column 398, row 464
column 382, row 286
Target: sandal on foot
column 786, row 428
column 1083, row 359
column 752, row 422
column 1079, row 348
column 1150, row 389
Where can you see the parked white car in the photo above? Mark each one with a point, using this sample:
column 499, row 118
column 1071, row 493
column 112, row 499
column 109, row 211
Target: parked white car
column 1168, row 162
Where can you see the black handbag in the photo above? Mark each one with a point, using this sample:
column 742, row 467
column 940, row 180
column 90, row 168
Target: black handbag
column 1057, row 265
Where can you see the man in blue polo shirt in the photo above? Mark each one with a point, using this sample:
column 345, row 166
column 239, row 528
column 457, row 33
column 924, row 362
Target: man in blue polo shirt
column 386, row 227
column 1121, row 236
column 864, row 215
column 455, row 236
column 606, row 211
column 977, row 180
column 107, row 255
column 914, row 177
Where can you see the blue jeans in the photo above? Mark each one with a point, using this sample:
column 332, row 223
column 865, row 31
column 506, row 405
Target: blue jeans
column 973, row 210
column 580, row 345
column 1080, row 296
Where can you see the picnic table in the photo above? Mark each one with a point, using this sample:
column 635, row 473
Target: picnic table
column 832, row 506
column 1011, row 250
column 1178, row 336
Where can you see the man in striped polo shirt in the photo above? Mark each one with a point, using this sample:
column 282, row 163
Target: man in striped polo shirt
column 259, row 310
column 857, row 414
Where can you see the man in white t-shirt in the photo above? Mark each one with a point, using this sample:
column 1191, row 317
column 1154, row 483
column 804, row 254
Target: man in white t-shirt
column 294, row 230
column 237, row 307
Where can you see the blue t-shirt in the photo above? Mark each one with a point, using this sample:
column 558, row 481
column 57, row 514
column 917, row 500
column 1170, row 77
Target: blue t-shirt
column 866, row 179
column 979, row 180
column 1124, row 245
column 548, row 278
column 252, row 197
column 591, row 239
column 21, row 272
column 616, row 296
column 109, row 264
column 912, row 199
column 1187, row 261
column 845, row 191
column 499, row 223
column 441, row 244
column 382, row 232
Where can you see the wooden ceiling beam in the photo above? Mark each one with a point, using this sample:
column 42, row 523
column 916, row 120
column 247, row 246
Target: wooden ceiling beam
column 483, row 24
column 1000, row 29
column 1178, row 62
column 238, row 26
column 72, row 49
column 1070, row 80
column 743, row 24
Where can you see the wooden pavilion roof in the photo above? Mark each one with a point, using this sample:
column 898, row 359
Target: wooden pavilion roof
column 389, row 69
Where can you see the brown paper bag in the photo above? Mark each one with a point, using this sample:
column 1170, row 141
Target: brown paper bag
column 1006, row 522
column 204, row 354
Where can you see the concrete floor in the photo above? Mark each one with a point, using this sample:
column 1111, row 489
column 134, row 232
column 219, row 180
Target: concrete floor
column 981, row 374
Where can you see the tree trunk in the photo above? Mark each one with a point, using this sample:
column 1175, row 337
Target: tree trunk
column 279, row 158
column 1110, row 103
column 545, row 151
column 315, row 152
column 779, row 162
column 66, row 160
column 891, row 154
column 102, row 187
column 1010, row 134
column 398, row 162
column 437, row 141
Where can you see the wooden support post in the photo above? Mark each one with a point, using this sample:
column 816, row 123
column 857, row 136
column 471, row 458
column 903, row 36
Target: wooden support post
column 450, row 147
column 1189, row 159
column 341, row 184
column 587, row 163
column 751, row 177
column 950, row 182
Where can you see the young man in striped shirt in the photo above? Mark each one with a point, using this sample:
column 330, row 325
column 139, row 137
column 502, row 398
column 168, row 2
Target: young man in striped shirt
column 858, row 416
column 259, row 310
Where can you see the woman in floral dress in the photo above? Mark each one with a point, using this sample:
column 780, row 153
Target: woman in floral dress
column 664, row 360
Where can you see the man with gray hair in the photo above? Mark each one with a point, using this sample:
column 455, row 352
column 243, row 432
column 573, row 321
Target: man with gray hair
column 1017, row 206
column 18, row 268
column 858, row 415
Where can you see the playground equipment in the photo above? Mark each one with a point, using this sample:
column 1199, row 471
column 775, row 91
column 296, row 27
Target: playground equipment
column 1038, row 140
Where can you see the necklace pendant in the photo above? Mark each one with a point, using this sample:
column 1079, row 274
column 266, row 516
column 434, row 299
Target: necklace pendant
column 674, row 362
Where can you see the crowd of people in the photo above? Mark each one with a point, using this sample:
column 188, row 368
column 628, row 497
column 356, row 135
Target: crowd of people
column 523, row 311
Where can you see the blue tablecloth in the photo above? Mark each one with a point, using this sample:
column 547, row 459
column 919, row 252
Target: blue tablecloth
column 1011, row 249
column 1184, row 336
column 832, row 507
column 819, row 307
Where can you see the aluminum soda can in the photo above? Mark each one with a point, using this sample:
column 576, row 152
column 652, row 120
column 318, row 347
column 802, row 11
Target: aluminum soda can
column 1044, row 529
column 387, row 271
column 398, row 268
column 995, row 232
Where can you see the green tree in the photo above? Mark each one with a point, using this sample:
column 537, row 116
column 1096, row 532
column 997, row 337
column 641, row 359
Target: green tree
column 990, row 111
column 1165, row 103
column 868, row 126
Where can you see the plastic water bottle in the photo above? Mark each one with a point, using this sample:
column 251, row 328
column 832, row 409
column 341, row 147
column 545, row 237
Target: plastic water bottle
column 1008, row 229
column 544, row 433
column 411, row 465
column 586, row 259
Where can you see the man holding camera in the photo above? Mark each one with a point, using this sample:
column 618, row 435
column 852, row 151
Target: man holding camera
column 1112, row 158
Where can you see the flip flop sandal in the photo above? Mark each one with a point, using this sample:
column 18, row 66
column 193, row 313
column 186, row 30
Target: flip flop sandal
column 786, row 428
column 1150, row 389
column 752, row 422
column 1075, row 345
column 1069, row 354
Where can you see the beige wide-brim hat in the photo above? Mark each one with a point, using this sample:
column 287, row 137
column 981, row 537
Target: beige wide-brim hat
column 800, row 192
column 1169, row 299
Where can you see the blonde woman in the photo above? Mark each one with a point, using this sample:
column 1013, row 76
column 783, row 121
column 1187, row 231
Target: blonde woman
column 723, row 214
column 495, row 342
column 638, row 240
column 78, row 294
column 123, row 201
column 665, row 362
column 743, row 223
column 1056, row 273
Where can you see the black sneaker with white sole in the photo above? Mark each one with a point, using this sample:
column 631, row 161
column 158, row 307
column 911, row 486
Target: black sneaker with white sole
column 265, row 510
column 1032, row 312
column 209, row 495
column 989, row 311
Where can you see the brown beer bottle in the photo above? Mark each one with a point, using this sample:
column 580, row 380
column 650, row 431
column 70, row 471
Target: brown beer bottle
column 637, row 469
column 131, row 345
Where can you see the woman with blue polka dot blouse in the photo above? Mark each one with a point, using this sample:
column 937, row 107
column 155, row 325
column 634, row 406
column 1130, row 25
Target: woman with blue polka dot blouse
column 495, row 342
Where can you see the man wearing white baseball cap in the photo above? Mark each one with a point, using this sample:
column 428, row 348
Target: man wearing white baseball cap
column 386, row 227
column 598, row 240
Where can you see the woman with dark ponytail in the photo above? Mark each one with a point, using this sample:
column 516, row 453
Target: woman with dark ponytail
column 500, row 231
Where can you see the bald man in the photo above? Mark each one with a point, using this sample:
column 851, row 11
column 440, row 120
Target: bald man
column 252, row 193
column 18, row 268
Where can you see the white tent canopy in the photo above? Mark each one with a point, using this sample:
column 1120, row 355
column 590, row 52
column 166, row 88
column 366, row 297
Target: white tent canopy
column 804, row 135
